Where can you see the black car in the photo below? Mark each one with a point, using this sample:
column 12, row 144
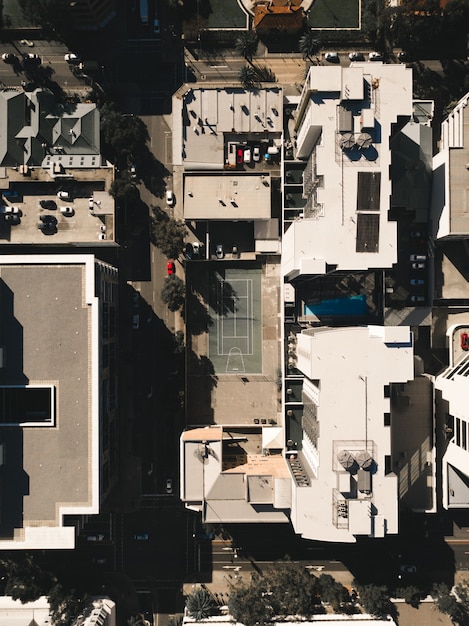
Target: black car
column 48, row 204
column 32, row 59
column 48, row 219
column 8, row 57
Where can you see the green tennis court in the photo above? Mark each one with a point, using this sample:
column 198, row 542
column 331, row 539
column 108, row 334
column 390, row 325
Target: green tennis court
column 335, row 14
column 235, row 339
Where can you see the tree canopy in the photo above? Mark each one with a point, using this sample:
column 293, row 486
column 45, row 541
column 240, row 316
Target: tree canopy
column 284, row 590
column 26, row 581
column 309, row 44
column 167, row 233
column 246, row 44
column 65, row 605
column 173, row 293
column 122, row 135
column 248, row 77
column 123, row 189
column 375, row 599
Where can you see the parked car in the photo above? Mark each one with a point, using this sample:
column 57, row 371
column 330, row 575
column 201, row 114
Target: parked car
column 332, row 57
column 256, row 153
column 135, row 299
column 68, row 211
column 247, row 155
column 141, row 536
column 356, row 56
column 196, row 249
column 375, row 56
column 13, row 219
column 10, row 193
column 416, row 298
column 239, row 155
column 420, row 258
column 402, row 56
column 170, row 197
column 170, row 268
column 135, row 322
column 64, row 195
column 32, row 58
column 418, row 266
column 188, row 251
column 408, row 569
column 50, row 205
column 204, row 534
column 8, row 57
column 169, row 485
column 156, row 26
column 464, row 341
column 219, row 252
column 95, row 538
column 72, row 58
column 417, row 281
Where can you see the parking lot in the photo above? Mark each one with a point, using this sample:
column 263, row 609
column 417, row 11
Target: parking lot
column 408, row 283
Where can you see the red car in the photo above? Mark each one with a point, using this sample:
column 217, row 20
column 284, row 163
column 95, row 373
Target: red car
column 170, row 268
column 239, row 155
column 464, row 341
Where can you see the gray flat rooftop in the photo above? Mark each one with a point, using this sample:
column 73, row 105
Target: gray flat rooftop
column 209, row 116
column 85, row 225
column 46, row 330
column 226, row 196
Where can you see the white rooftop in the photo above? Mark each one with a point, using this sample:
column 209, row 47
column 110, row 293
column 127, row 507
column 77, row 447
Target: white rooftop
column 353, row 366
column 343, row 126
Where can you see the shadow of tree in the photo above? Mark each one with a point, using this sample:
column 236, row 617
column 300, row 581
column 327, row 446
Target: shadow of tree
column 219, row 293
column 201, row 380
column 151, row 171
column 196, row 313
column 41, row 76
column 202, row 366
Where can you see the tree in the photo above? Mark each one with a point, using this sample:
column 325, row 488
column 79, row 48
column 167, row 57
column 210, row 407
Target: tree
column 65, row 605
column 248, row 77
column 309, row 45
column 53, row 16
column 249, row 605
column 284, row 590
column 123, row 189
column 447, row 602
column 417, row 25
column 122, row 135
column 199, row 604
column 411, row 595
column 167, row 233
column 173, row 293
column 375, row 599
column 26, row 581
column 246, row 44
column 294, row 591
column 332, row 592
